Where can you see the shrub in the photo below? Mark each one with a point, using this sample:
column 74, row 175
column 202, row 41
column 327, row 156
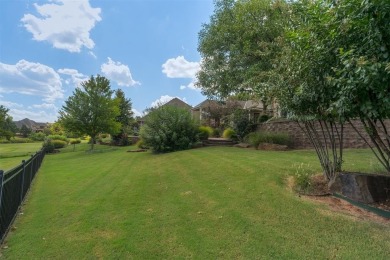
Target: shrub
column 302, row 177
column 141, row 144
column 240, row 123
column 255, row 138
column 17, row 140
column 216, row 132
column 48, row 145
column 228, row 133
column 58, row 144
column 169, row 128
column 205, row 132
column 264, row 118
column 121, row 140
column 58, row 137
column 37, row 136
column 74, row 141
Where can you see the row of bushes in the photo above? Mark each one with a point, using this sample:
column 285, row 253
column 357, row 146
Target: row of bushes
column 255, row 138
column 53, row 142
column 16, row 140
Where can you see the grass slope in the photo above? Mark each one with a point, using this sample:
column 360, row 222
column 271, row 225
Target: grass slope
column 205, row 203
column 12, row 155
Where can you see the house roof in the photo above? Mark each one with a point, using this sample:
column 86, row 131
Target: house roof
column 177, row 103
column 206, row 103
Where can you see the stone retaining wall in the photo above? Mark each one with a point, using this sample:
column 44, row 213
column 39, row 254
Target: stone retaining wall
column 351, row 137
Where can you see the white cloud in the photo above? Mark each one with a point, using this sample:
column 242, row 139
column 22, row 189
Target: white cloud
column 164, row 99
column 38, row 116
column 136, row 112
column 75, row 76
column 31, row 78
column 92, row 54
column 64, row 24
column 9, row 104
column 119, row 73
column 46, row 106
column 191, row 85
column 180, row 68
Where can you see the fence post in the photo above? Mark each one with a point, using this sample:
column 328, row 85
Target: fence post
column 24, row 171
column 1, row 186
column 31, row 168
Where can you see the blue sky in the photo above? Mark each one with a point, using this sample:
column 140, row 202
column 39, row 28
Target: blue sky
column 146, row 48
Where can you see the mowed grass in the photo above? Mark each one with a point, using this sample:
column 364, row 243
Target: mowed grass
column 12, row 155
column 207, row 203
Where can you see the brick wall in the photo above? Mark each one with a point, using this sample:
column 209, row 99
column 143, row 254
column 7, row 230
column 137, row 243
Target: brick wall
column 351, row 138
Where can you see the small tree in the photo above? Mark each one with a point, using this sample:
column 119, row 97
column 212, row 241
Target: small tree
column 25, row 131
column 7, row 126
column 57, row 129
column 241, row 123
column 125, row 118
column 168, row 129
column 91, row 110
column 304, row 89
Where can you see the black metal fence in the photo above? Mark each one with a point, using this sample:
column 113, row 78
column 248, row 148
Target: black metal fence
column 14, row 185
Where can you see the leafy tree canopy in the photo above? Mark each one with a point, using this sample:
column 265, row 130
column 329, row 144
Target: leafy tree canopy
column 240, row 47
column 91, row 109
column 7, row 126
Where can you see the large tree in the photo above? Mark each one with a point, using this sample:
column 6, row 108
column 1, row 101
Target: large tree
column 304, row 91
column 91, row 109
column 361, row 33
column 125, row 117
column 7, row 126
column 240, row 47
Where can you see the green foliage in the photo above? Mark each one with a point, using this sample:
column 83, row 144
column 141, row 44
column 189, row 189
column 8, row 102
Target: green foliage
column 168, row 129
column 240, row 47
column 228, row 133
column 57, row 129
column 48, row 145
column 240, row 123
column 74, row 141
column 141, row 144
column 217, row 132
column 16, row 140
column 58, row 144
column 25, row 131
column 205, row 132
column 264, row 118
column 302, row 177
column 91, row 110
column 125, row 118
column 37, row 136
column 255, row 138
column 58, row 137
column 7, row 126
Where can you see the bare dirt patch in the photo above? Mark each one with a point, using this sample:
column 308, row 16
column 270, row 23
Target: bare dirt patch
column 342, row 206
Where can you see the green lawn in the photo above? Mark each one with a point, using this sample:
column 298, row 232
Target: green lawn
column 207, row 203
column 12, row 155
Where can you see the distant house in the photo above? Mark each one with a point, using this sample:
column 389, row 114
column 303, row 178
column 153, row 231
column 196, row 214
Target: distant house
column 175, row 102
column 256, row 109
column 34, row 126
column 211, row 111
